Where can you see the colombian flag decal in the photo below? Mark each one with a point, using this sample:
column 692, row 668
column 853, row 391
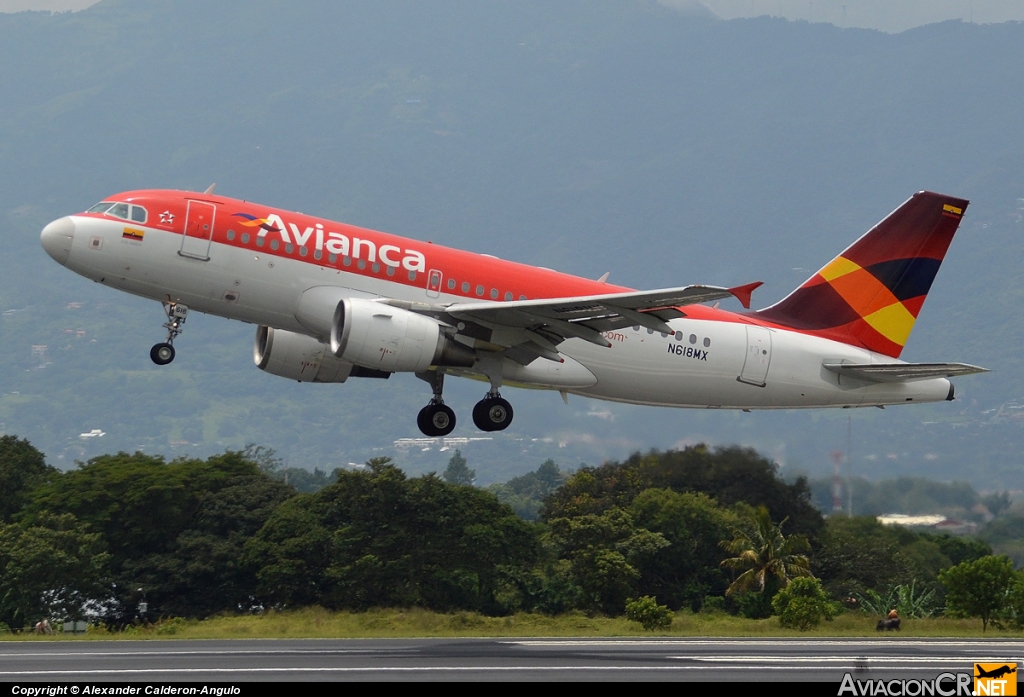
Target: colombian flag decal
column 133, row 234
column 952, row 211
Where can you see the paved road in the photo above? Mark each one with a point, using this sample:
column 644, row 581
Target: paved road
column 495, row 659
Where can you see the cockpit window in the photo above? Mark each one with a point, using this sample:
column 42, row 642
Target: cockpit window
column 123, row 211
column 119, row 210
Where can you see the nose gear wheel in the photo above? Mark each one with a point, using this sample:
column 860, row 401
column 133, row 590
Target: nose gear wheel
column 162, row 354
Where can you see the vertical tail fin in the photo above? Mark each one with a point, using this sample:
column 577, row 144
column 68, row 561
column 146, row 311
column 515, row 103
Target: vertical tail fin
column 871, row 294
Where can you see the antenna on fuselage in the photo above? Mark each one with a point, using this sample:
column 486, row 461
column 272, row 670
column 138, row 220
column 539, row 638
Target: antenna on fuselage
column 209, row 189
column 604, row 279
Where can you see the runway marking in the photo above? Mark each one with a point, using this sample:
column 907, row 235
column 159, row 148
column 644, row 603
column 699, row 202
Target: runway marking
column 389, row 669
column 224, row 652
column 776, row 643
column 845, row 659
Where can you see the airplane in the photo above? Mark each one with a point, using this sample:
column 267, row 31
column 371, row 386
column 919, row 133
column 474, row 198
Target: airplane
column 995, row 673
column 333, row 301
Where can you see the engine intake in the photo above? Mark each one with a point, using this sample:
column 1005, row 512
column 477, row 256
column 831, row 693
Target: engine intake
column 382, row 337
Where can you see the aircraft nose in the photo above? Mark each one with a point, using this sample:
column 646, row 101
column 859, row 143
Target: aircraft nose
column 56, row 238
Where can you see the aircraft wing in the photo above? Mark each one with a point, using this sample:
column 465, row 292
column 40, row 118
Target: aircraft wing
column 902, row 372
column 543, row 324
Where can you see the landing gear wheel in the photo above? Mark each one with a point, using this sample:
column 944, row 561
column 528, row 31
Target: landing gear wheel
column 436, row 420
column 162, row 354
column 492, row 414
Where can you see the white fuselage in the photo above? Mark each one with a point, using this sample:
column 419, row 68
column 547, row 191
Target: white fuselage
column 704, row 364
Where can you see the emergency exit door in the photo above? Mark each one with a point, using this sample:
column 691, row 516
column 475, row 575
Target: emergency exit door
column 759, row 356
column 195, row 243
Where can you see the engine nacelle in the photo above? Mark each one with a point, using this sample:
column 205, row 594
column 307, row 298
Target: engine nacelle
column 382, row 337
column 297, row 357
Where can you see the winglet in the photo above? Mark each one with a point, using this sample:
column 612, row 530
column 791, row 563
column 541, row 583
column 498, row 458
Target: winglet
column 743, row 293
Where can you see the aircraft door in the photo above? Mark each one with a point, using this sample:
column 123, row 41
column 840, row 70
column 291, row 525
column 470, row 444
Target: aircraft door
column 759, row 356
column 195, row 243
column 434, row 279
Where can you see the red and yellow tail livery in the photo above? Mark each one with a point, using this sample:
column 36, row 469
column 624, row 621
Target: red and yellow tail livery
column 871, row 294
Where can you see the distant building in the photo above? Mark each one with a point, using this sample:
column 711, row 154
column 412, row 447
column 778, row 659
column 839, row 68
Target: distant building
column 931, row 523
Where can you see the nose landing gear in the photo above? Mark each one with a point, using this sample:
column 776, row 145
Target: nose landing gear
column 436, row 419
column 163, row 353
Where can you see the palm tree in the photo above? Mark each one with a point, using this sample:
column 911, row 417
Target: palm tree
column 767, row 558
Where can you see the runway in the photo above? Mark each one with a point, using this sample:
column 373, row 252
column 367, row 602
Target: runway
column 825, row 660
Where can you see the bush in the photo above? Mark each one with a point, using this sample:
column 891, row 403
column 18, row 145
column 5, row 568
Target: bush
column 713, row 603
column 909, row 601
column 803, row 604
column 754, row 606
column 648, row 613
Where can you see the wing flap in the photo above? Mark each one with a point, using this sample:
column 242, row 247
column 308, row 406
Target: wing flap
column 902, row 372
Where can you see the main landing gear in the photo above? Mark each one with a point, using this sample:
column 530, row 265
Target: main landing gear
column 162, row 354
column 492, row 413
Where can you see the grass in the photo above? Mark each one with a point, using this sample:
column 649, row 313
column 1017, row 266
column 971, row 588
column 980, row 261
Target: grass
column 317, row 623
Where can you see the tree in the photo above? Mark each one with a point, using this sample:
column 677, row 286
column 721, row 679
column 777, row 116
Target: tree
column 377, row 538
column 526, row 493
column 766, row 558
column 605, row 552
column 689, row 569
column 803, row 604
column 859, row 554
column 176, row 530
column 22, row 468
column 50, row 570
column 978, row 588
column 458, row 472
column 729, row 475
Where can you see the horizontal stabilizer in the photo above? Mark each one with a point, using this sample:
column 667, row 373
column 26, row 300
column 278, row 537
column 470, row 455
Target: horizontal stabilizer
column 743, row 293
column 902, row 372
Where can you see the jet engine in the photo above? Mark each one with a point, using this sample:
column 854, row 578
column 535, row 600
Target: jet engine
column 297, row 357
column 387, row 338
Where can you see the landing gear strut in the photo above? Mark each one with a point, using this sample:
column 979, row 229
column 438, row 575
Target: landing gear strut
column 436, row 419
column 492, row 413
column 162, row 354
